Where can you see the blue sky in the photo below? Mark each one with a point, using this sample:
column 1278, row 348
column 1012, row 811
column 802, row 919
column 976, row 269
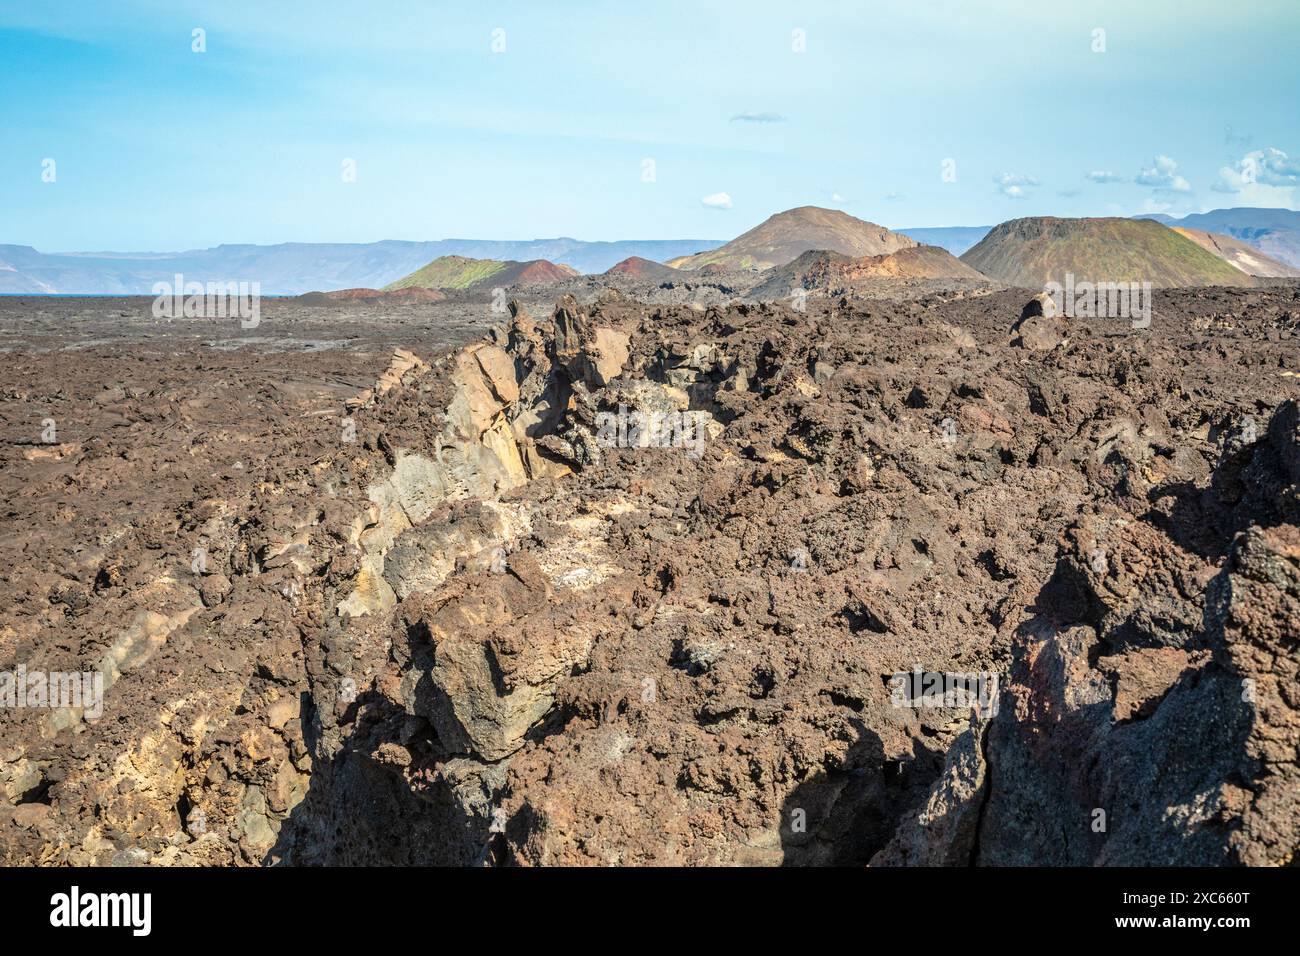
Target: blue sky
column 1191, row 106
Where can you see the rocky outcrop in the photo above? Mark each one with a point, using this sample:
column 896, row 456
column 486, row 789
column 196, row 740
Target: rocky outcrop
column 945, row 830
column 514, row 608
column 1163, row 727
column 1041, row 326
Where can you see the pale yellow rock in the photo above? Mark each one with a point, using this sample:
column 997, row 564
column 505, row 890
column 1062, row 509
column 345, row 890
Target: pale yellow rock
column 281, row 712
column 499, row 368
column 372, row 594
column 402, row 362
column 478, row 454
column 475, row 403
column 52, row 452
column 608, row 354
column 499, row 440
column 296, row 550
column 537, row 466
column 258, row 743
column 423, row 560
column 806, row 386
column 418, row 486
column 147, row 632
column 18, row 777
column 287, row 790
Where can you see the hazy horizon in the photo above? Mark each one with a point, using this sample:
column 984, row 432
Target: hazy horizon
column 162, row 253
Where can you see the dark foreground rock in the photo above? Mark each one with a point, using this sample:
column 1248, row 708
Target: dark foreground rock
column 632, row 584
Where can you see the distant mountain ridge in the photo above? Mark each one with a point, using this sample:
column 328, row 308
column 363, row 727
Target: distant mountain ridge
column 956, row 239
column 292, row 268
column 1239, row 253
column 296, row 267
column 1274, row 232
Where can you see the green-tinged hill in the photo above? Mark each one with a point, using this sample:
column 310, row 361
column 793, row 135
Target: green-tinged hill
column 1032, row 252
column 460, row 272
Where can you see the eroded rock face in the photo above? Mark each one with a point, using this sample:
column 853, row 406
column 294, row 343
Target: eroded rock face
column 461, row 646
column 1147, row 736
column 1253, row 608
column 945, row 830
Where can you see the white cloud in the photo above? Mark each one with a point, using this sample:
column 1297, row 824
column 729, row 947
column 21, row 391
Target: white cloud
column 1162, row 174
column 1263, row 177
column 893, row 196
column 1012, row 185
column 749, row 116
column 717, row 201
column 838, row 199
column 1105, row 176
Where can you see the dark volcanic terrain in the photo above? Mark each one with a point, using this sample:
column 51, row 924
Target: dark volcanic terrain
column 371, row 583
